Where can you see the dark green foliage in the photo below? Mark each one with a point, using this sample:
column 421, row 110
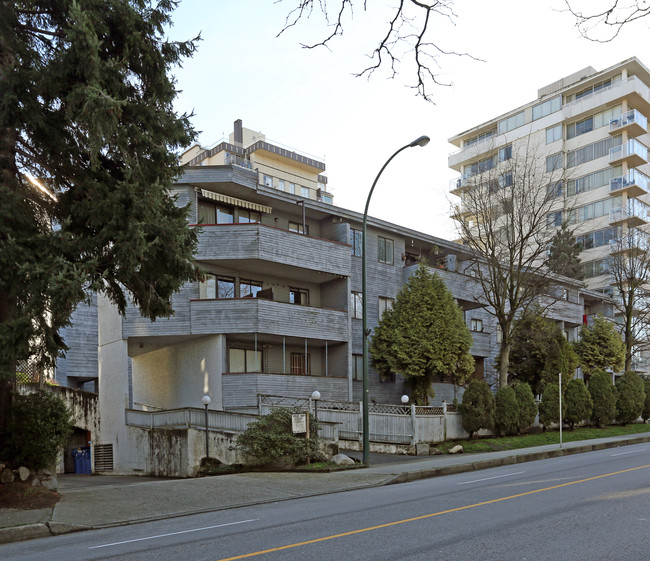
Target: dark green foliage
column 539, row 351
column 603, row 396
column 86, row 106
column 549, row 408
column 271, row 440
column 564, row 256
column 38, row 429
column 630, row 398
column 506, row 415
column 527, row 405
column 577, row 403
column 423, row 335
column 600, row 347
column 477, row 407
column 646, row 403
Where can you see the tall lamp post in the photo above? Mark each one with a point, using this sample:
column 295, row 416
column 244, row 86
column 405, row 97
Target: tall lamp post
column 421, row 141
column 206, row 401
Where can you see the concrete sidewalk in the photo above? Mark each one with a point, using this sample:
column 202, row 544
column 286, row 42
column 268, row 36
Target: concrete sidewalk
column 100, row 501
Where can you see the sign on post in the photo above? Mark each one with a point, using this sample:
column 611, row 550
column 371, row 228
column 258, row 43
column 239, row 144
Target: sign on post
column 300, row 423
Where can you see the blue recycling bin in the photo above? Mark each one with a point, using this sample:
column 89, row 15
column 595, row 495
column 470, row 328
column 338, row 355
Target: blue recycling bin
column 82, row 460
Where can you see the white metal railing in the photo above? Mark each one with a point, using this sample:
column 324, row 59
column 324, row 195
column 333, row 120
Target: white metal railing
column 631, row 147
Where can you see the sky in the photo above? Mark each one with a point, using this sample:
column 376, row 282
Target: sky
column 310, row 100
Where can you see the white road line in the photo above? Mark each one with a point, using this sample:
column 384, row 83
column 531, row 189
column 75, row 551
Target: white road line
column 630, row 452
column 488, row 478
column 174, row 533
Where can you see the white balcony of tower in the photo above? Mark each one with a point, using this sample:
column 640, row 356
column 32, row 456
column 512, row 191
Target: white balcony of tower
column 633, row 242
column 632, row 152
column 632, row 121
column 634, row 183
column 635, row 213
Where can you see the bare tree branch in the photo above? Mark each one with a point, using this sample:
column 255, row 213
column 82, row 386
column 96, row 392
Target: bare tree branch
column 613, row 18
column 407, row 39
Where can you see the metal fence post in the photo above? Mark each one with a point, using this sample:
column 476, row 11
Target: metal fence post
column 414, row 426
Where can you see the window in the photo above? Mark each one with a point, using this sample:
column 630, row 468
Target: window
column 597, row 87
column 596, row 268
column 554, row 219
column 592, row 180
column 385, row 250
column 300, row 363
column 245, row 216
column 267, row 180
column 505, row 180
column 580, row 127
column 356, row 305
column 291, row 188
column 554, row 162
column 208, row 286
column 225, row 287
column 297, row 227
column 512, row 122
column 553, row 134
column 476, row 325
column 385, row 304
column 245, row 360
column 281, row 184
column 357, row 367
column 249, row 288
column 206, row 213
column 356, row 242
column 547, row 107
column 554, row 190
column 481, row 166
column 304, row 192
column 592, row 151
column 299, row 296
column 597, row 208
column 598, row 238
column 505, row 153
column 214, row 286
column 479, row 138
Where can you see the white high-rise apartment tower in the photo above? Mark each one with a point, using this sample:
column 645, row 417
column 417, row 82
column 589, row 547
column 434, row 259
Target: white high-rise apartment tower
column 591, row 129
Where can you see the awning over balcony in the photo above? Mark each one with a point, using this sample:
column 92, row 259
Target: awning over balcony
column 235, row 202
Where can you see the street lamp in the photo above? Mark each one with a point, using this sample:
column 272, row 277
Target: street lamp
column 421, row 141
column 405, row 399
column 315, row 395
column 206, row 401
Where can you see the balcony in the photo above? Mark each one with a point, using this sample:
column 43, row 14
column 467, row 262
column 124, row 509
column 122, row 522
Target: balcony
column 461, row 211
column 634, row 214
column 632, row 152
column 457, row 185
column 284, row 253
column 253, row 315
column 634, row 183
column 634, row 122
column 634, row 242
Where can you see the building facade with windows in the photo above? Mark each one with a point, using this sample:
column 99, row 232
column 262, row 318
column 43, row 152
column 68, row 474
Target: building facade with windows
column 589, row 133
column 279, row 309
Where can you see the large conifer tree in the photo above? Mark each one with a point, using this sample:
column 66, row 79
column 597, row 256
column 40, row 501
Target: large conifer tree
column 86, row 110
column 423, row 335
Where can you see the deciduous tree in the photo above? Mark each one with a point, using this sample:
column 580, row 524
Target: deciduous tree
column 422, row 336
column 88, row 137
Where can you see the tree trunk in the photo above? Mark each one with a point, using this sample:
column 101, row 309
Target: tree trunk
column 504, row 361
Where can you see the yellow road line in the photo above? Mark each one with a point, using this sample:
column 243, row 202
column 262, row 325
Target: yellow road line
column 423, row 517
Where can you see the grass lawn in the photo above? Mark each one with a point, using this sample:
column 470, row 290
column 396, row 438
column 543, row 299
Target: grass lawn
column 492, row 444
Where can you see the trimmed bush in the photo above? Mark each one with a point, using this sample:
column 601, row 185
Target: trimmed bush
column 646, row 404
column 38, row 429
column 630, row 398
column 271, row 440
column 527, row 405
column 603, row 397
column 549, row 408
column 477, row 407
column 578, row 404
column 506, row 415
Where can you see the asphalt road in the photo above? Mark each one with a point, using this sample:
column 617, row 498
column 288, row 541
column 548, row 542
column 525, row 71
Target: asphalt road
column 592, row 506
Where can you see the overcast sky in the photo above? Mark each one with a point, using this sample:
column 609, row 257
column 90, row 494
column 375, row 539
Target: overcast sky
column 310, row 101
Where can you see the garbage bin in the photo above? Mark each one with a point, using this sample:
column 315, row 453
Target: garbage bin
column 82, row 460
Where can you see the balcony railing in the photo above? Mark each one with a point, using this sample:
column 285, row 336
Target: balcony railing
column 633, row 121
column 633, row 151
column 634, row 182
column 635, row 213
